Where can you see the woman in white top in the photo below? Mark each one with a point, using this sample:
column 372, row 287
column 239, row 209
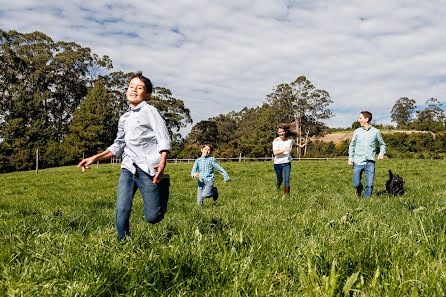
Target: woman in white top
column 282, row 147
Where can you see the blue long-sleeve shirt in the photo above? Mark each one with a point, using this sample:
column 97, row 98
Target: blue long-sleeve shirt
column 142, row 135
column 363, row 145
column 204, row 166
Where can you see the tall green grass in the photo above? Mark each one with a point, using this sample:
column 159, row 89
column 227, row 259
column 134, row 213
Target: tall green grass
column 57, row 234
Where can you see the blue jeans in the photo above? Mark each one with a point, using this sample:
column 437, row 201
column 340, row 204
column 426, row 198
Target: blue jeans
column 286, row 169
column 204, row 190
column 155, row 197
column 369, row 169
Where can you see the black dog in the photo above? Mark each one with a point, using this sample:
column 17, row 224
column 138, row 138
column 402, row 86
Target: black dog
column 395, row 184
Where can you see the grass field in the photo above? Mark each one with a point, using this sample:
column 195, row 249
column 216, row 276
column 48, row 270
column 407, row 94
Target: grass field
column 57, row 234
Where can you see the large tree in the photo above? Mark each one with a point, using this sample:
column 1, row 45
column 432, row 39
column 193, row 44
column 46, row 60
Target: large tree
column 94, row 124
column 432, row 118
column 402, row 111
column 301, row 101
column 203, row 131
column 117, row 84
column 61, row 71
column 173, row 111
column 23, row 130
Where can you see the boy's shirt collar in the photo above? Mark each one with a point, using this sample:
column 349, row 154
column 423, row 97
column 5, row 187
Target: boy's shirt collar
column 144, row 102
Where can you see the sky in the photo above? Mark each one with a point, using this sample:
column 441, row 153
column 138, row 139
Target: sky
column 222, row 56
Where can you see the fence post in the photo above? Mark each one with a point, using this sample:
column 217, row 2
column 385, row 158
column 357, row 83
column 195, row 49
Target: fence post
column 37, row 161
column 97, row 165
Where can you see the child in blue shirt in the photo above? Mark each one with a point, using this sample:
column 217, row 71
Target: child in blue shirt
column 203, row 169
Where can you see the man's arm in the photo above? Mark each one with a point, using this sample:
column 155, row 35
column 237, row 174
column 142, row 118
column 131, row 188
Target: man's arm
column 382, row 146
column 351, row 149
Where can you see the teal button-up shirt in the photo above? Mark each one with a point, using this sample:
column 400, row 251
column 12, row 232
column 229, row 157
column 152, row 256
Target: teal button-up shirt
column 363, row 145
column 204, row 166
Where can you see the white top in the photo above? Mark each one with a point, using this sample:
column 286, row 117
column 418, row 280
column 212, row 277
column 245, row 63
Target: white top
column 279, row 145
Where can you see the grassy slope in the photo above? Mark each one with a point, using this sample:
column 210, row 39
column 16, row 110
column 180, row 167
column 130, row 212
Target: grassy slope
column 57, row 234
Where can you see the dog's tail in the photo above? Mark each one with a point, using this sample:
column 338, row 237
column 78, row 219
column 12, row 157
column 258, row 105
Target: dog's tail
column 390, row 174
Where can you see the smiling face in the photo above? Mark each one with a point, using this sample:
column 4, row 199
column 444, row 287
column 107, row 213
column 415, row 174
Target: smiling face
column 136, row 92
column 363, row 120
column 281, row 132
column 205, row 151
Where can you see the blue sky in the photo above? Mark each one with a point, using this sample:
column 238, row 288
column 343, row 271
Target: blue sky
column 219, row 56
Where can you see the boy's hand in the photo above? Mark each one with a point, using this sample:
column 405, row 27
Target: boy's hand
column 196, row 175
column 85, row 162
column 350, row 162
column 160, row 170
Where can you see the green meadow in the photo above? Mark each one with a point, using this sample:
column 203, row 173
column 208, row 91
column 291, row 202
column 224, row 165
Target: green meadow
column 57, row 234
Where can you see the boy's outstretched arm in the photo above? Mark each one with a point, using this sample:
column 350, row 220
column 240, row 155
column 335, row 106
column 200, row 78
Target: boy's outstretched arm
column 194, row 173
column 221, row 170
column 160, row 168
column 105, row 155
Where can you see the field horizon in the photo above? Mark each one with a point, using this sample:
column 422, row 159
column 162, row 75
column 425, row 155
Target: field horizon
column 58, row 237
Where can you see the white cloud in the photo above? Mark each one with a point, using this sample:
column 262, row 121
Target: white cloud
column 222, row 56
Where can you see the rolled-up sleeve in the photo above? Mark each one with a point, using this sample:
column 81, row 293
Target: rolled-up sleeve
column 119, row 144
column 160, row 130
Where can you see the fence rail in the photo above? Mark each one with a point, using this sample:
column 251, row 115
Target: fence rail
column 244, row 159
column 117, row 161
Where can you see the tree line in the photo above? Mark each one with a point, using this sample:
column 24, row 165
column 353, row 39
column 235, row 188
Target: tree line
column 250, row 132
column 66, row 101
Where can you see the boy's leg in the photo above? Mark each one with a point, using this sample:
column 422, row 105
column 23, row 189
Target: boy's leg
column 153, row 206
column 163, row 188
column 126, row 191
column 200, row 192
column 369, row 178
column 208, row 190
column 357, row 174
column 278, row 169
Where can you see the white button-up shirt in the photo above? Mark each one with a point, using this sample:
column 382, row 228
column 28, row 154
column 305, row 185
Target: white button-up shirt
column 142, row 135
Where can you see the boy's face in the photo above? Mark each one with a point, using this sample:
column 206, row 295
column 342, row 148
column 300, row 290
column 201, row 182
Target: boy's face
column 136, row 92
column 205, row 151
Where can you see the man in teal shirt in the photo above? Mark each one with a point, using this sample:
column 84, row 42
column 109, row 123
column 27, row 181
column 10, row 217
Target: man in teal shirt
column 362, row 151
